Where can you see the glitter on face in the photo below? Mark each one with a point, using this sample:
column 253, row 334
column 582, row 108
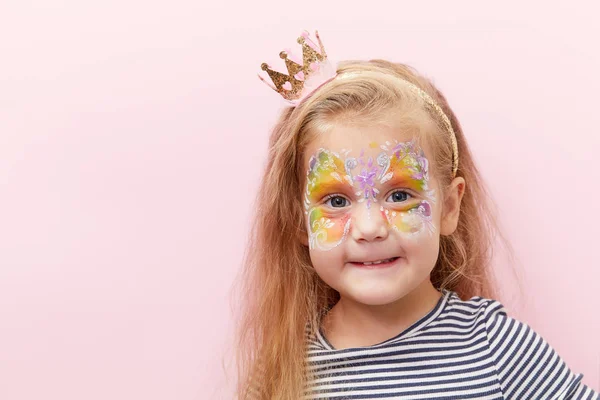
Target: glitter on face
column 366, row 180
column 402, row 166
column 413, row 221
column 325, row 233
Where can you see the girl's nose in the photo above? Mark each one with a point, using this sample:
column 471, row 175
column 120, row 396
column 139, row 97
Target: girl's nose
column 368, row 223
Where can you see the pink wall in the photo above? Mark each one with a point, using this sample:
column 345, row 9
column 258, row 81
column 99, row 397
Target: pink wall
column 132, row 135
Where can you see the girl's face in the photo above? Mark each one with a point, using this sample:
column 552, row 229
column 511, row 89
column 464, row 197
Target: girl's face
column 372, row 212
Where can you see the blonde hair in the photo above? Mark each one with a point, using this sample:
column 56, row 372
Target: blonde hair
column 281, row 294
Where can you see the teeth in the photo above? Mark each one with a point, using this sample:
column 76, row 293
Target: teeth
column 377, row 262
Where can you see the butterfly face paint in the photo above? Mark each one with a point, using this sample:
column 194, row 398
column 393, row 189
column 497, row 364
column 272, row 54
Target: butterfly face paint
column 325, row 176
column 338, row 176
column 409, row 168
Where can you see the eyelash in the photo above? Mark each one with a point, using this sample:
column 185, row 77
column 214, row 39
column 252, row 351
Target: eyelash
column 331, row 196
column 409, row 196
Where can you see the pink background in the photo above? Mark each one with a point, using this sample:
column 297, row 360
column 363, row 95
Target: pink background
column 133, row 133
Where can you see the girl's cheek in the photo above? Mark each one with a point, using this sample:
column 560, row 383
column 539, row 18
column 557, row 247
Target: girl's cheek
column 338, row 231
column 411, row 222
column 325, row 232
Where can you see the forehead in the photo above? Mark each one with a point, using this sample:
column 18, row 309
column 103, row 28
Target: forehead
column 362, row 137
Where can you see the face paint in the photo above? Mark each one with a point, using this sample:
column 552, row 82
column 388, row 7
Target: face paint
column 400, row 165
column 412, row 221
column 326, row 234
column 409, row 168
column 325, row 176
column 365, row 180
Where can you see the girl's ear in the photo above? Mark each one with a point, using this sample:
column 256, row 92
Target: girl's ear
column 302, row 237
column 451, row 207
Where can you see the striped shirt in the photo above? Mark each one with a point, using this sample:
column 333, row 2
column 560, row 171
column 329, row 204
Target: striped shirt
column 460, row 350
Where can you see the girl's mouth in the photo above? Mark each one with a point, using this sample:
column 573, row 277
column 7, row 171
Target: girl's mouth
column 376, row 263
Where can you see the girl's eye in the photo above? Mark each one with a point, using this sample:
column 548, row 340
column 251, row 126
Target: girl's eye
column 399, row 196
column 337, row 201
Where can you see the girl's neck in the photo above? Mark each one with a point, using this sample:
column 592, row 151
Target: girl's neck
column 352, row 324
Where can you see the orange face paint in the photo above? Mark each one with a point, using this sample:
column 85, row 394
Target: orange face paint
column 410, row 221
column 327, row 233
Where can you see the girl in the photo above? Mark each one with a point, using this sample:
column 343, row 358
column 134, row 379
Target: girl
column 367, row 272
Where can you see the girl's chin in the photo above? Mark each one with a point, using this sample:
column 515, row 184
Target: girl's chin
column 376, row 296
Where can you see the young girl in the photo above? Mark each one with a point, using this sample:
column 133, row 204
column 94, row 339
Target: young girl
column 367, row 272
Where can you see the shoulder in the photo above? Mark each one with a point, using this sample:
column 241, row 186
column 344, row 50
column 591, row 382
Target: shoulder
column 475, row 310
column 526, row 364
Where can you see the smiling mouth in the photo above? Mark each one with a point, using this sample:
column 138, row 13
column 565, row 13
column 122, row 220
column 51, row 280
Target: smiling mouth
column 383, row 262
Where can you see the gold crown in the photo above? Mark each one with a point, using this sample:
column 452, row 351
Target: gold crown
column 290, row 86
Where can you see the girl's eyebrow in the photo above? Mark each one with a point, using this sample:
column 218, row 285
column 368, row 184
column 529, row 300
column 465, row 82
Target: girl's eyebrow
column 403, row 180
column 331, row 185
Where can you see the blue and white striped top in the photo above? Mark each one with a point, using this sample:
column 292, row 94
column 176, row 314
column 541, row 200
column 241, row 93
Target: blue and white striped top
column 460, row 350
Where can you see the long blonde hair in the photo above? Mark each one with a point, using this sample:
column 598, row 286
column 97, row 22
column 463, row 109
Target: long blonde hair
column 280, row 293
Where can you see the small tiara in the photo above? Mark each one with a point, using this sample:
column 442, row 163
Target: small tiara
column 316, row 70
column 302, row 79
